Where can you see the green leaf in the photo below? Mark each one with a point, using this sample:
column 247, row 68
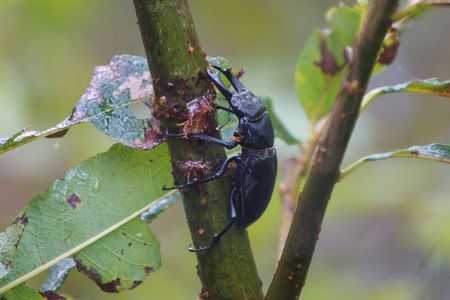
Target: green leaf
column 94, row 199
column 218, row 61
column 99, row 254
column 431, row 86
column 113, row 88
column 8, row 244
column 23, row 292
column 321, row 63
column 281, row 131
column 122, row 259
column 439, row 152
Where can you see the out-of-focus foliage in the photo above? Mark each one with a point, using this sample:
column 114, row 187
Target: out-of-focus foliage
column 393, row 215
column 438, row 152
column 279, row 127
column 106, row 104
column 431, row 86
column 322, row 61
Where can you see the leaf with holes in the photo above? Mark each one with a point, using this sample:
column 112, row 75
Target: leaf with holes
column 94, row 199
column 438, row 152
column 113, row 88
column 322, row 61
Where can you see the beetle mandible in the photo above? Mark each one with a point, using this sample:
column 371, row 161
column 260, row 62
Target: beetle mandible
column 254, row 176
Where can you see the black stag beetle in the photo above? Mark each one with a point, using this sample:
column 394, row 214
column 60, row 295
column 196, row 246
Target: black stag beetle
column 254, row 176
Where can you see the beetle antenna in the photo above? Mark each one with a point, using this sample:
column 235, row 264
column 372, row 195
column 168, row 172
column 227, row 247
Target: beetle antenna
column 238, row 86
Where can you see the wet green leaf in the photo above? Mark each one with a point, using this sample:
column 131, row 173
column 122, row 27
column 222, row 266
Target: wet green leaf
column 23, row 292
column 94, row 199
column 431, row 86
column 322, row 61
column 8, row 243
column 122, row 259
column 281, row 131
column 439, row 152
column 106, row 104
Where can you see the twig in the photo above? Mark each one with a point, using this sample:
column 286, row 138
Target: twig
column 291, row 273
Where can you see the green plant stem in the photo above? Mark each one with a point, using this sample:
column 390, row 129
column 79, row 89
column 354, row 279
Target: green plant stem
column 292, row 270
column 178, row 69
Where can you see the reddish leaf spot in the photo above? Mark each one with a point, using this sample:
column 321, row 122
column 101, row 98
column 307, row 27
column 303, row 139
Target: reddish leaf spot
column 74, row 200
column 92, row 273
column 23, row 220
column 328, row 63
column 390, row 47
column 148, row 269
column 52, row 295
column 201, row 231
column 111, row 286
column 135, row 284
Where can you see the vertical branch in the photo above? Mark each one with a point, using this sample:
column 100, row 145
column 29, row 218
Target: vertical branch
column 297, row 255
column 178, row 70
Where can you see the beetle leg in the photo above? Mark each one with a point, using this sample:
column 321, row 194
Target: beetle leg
column 238, row 86
column 227, row 144
column 219, row 235
column 215, row 78
column 218, row 174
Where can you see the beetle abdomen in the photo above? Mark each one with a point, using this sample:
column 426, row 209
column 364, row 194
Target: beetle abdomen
column 255, row 180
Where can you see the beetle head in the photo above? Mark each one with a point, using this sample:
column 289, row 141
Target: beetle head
column 243, row 103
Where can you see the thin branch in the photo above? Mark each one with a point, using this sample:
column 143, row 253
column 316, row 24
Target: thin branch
column 292, row 270
column 178, row 69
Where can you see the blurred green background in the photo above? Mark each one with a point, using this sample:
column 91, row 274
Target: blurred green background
column 386, row 233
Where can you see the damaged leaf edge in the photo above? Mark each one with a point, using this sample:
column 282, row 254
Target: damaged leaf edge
column 86, row 243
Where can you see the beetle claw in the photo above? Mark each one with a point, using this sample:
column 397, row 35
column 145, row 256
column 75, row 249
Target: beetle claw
column 215, row 78
column 238, row 86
